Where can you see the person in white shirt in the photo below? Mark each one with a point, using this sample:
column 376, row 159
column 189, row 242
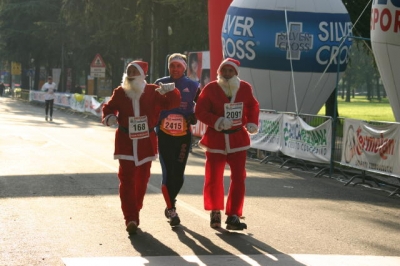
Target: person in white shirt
column 50, row 88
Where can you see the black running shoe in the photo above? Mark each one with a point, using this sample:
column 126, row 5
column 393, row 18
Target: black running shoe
column 215, row 219
column 233, row 223
column 131, row 227
column 173, row 217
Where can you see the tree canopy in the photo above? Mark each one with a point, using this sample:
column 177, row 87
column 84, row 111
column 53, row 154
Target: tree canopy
column 61, row 33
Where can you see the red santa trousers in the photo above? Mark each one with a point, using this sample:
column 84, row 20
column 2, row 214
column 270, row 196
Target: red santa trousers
column 214, row 182
column 132, row 188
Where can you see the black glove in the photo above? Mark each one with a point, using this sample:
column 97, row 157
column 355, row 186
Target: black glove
column 192, row 120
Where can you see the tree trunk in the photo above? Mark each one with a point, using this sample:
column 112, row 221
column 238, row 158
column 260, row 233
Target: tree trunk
column 348, row 88
column 330, row 105
column 378, row 89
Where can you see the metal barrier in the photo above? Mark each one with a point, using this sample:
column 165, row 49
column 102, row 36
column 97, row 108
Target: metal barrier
column 335, row 166
column 19, row 93
column 24, row 95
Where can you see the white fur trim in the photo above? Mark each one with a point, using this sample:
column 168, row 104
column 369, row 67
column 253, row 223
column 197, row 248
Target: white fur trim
column 145, row 160
column 226, row 62
column 211, row 150
column 138, row 68
column 136, row 107
column 124, row 157
column 105, row 120
column 217, row 123
column 222, row 151
column 239, row 149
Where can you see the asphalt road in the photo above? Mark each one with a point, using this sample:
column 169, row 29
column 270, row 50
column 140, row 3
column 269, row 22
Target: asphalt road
column 59, row 205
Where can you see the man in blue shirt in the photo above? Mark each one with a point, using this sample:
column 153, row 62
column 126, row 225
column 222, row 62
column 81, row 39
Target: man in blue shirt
column 174, row 134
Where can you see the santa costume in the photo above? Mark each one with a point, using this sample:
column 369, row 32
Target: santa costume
column 230, row 111
column 135, row 107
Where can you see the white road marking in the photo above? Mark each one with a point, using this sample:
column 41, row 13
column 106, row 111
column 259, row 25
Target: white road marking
column 239, row 260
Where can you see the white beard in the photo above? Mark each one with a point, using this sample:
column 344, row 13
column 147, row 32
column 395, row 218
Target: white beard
column 230, row 86
column 134, row 87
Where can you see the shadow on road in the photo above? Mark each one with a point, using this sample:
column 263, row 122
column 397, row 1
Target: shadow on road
column 150, row 248
column 280, row 184
column 205, row 249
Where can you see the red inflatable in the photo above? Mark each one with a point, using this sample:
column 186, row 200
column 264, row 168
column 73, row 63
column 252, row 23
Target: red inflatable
column 216, row 15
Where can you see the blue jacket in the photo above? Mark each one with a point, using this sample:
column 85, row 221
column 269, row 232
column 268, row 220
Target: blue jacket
column 188, row 89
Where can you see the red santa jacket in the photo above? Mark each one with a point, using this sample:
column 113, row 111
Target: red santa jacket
column 210, row 107
column 150, row 104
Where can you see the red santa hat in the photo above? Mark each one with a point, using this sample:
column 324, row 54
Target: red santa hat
column 232, row 62
column 140, row 65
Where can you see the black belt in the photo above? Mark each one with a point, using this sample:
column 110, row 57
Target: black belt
column 126, row 130
column 230, row 131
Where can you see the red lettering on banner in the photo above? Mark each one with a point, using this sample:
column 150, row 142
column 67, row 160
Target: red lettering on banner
column 397, row 21
column 381, row 145
column 374, row 17
column 385, row 19
column 385, row 13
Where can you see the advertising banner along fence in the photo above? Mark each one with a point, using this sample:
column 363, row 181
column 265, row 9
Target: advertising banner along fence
column 303, row 141
column 269, row 134
column 371, row 147
column 293, row 137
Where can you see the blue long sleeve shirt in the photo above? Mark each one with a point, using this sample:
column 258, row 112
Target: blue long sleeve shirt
column 188, row 89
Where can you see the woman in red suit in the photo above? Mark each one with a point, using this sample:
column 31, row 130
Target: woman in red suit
column 135, row 107
column 230, row 111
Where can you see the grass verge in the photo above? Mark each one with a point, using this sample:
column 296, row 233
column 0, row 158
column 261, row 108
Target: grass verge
column 361, row 108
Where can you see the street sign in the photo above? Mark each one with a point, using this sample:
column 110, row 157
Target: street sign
column 98, row 67
column 98, row 74
column 98, row 61
column 15, row 68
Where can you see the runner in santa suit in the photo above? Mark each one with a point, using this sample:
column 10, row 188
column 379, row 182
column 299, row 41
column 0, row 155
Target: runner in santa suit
column 230, row 111
column 135, row 107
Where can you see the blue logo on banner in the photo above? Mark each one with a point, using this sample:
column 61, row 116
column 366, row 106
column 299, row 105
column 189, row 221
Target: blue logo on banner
column 259, row 39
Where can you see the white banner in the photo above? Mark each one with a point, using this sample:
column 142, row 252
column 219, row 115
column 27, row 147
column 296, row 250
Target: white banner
column 56, row 73
column 269, row 133
column 60, row 99
column 78, row 102
column 93, row 106
column 303, row 141
column 371, row 147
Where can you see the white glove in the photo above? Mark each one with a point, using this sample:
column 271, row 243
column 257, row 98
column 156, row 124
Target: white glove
column 112, row 121
column 164, row 88
column 225, row 124
column 252, row 128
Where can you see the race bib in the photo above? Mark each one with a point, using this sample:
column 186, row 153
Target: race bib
column 138, row 127
column 174, row 124
column 234, row 111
